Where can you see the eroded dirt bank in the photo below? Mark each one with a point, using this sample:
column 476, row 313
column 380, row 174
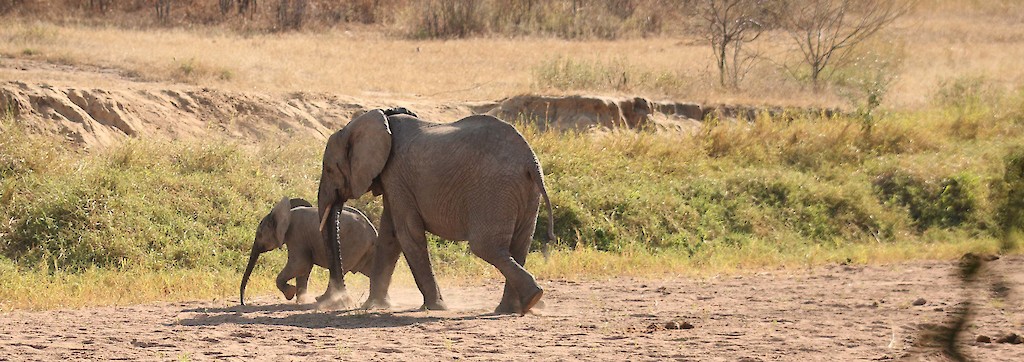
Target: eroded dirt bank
column 98, row 107
column 831, row 313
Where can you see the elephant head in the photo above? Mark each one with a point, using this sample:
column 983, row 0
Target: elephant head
column 270, row 235
column 353, row 159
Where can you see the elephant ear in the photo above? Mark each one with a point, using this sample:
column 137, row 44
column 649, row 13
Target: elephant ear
column 299, row 203
column 369, row 146
column 282, row 215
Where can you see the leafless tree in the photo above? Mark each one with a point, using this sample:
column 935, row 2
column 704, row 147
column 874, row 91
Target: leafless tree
column 729, row 25
column 163, row 10
column 226, row 6
column 100, row 6
column 826, row 30
column 245, row 7
column 291, row 13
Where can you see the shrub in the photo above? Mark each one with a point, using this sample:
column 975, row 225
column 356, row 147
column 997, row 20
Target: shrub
column 1010, row 212
column 778, row 184
column 976, row 108
column 146, row 205
column 947, row 202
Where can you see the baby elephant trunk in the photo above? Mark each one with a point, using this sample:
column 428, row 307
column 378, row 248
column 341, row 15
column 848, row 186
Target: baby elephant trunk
column 255, row 255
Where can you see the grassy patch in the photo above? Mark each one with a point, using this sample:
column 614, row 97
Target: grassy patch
column 568, row 74
column 155, row 220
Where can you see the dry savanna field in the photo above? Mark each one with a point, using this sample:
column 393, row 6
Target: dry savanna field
column 874, row 215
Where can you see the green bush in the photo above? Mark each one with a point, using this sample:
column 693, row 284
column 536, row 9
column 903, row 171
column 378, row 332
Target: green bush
column 775, row 185
column 1010, row 212
column 139, row 204
column 947, row 202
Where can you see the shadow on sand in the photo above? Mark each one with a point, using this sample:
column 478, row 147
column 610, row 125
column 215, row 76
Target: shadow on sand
column 342, row 319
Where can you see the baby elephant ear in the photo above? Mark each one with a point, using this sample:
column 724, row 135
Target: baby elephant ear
column 300, row 203
column 282, row 214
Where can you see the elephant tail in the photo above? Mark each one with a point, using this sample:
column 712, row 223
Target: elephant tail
column 538, row 178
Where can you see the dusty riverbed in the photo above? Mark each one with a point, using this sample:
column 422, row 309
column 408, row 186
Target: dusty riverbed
column 844, row 312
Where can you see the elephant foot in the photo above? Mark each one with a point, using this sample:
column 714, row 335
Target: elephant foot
column 531, row 300
column 377, row 303
column 508, row 308
column 437, row 305
column 333, row 300
column 515, row 308
column 305, row 299
column 289, row 292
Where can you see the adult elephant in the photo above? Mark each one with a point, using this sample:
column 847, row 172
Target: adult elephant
column 475, row 179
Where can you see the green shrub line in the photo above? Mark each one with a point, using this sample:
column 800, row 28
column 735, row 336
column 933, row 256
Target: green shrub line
column 767, row 191
column 189, row 205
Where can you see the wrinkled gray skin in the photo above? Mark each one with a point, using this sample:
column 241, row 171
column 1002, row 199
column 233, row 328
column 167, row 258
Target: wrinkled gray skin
column 476, row 179
column 294, row 222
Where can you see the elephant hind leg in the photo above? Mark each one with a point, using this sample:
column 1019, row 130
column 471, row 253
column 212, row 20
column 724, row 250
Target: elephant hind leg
column 521, row 290
column 510, row 301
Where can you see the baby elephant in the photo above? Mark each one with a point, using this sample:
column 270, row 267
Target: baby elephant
column 296, row 223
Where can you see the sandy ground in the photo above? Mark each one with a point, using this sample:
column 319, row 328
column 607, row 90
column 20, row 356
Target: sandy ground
column 831, row 313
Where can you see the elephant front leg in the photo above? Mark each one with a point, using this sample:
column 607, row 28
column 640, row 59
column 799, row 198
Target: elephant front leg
column 385, row 257
column 413, row 240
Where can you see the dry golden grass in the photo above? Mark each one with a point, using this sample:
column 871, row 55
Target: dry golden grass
column 943, row 40
column 101, row 287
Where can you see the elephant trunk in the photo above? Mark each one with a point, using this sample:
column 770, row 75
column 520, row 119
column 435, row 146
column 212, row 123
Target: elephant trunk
column 331, row 234
column 329, row 205
column 253, row 256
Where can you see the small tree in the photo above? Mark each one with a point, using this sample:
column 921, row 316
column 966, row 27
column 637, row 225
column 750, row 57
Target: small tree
column 826, row 30
column 163, row 10
column 100, row 6
column 728, row 26
column 245, row 7
column 226, row 6
column 291, row 13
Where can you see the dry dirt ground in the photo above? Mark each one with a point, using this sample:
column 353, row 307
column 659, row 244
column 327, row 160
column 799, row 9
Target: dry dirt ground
column 830, row 313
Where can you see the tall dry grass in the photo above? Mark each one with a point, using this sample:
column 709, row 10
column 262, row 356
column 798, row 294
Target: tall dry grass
column 913, row 58
column 607, row 19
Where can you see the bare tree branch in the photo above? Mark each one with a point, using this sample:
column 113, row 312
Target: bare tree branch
column 728, row 25
column 824, row 31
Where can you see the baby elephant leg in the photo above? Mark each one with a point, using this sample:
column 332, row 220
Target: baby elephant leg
column 302, row 293
column 288, row 290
